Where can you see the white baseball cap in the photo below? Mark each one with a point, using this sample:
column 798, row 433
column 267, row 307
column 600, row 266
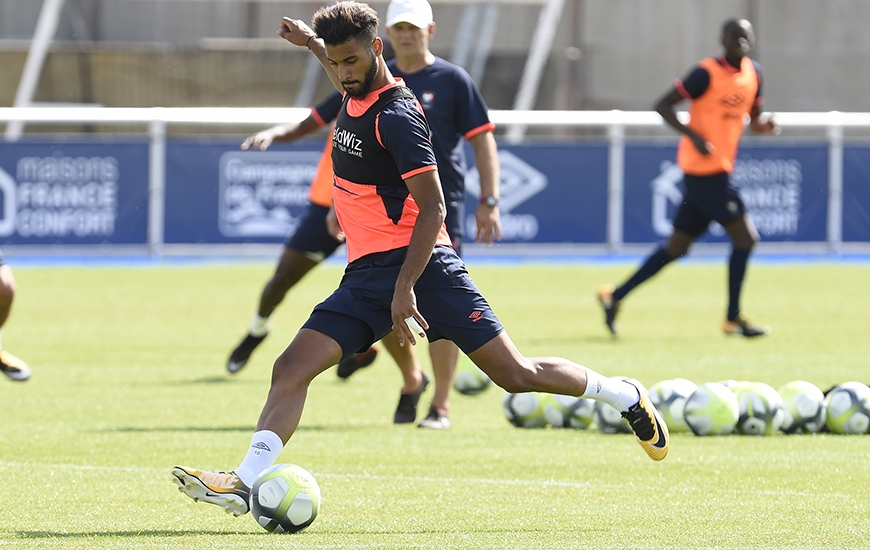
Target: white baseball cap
column 415, row 12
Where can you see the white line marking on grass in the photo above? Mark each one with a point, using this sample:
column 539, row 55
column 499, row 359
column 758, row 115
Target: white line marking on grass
column 443, row 480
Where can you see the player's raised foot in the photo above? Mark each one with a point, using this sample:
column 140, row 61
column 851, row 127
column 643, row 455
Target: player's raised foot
column 355, row 362
column 13, row 367
column 406, row 411
column 435, row 420
column 742, row 327
column 609, row 305
column 648, row 425
column 223, row 489
column 239, row 357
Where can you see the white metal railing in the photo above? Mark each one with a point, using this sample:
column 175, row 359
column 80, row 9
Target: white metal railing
column 157, row 119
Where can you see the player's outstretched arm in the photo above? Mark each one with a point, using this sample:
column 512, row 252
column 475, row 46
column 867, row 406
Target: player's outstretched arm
column 290, row 131
column 299, row 34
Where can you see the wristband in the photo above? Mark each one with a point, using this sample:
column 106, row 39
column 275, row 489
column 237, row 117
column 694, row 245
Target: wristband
column 308, row 44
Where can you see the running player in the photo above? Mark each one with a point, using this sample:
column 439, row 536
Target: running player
column 722, row 92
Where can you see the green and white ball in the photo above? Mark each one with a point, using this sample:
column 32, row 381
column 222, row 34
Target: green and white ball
column 609, row 420
column 712, row 409
column 760, row 409
column 848, row 408
column 524, row 410
column 566, row 411
column 470, row 380
column 285, row 499
column 803, row 407
column 669, row 397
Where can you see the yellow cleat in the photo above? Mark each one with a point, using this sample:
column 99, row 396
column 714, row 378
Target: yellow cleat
column 223, row 489
column 648, row 425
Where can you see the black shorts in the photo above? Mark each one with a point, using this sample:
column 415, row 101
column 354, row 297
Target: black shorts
column 358, row 314
column 311, row 236
column 708, row 198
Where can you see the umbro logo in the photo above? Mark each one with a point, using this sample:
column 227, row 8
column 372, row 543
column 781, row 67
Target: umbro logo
column 732, row 100
column 476, row 316
column 262, row 446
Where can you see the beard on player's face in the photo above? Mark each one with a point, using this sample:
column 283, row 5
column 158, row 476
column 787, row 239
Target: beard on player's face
column 361, row 89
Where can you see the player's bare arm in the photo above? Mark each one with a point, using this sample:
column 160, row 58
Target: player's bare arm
column 487, row 217
column 290, row 131
column 426, row 190
column 762, row 123
column 666, row 108
column 298, row 33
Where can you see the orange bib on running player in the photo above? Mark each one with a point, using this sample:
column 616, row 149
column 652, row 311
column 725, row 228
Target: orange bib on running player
column 719, row 116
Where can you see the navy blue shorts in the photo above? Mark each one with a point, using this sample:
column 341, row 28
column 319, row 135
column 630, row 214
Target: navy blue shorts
column 708, row 198
column 311, row 236
column 357, row 314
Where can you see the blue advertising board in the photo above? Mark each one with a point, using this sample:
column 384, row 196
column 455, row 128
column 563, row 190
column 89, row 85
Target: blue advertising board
column 785, row 190
column 856, row 193
column 73, row 193
column 216, row 193
column 550, row 193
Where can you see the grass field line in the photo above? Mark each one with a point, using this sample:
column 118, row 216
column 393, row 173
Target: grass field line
column 444, row 480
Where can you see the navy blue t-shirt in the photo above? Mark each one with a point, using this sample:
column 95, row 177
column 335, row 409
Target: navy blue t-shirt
column 455, row 111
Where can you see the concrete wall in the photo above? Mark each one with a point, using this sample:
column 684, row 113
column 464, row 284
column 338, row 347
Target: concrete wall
column 608, row 54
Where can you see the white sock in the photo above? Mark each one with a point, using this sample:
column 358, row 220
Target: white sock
column 264, row 450
column 615, row 392
column 259, row 325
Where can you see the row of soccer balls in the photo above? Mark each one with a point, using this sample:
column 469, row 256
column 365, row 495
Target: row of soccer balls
column 712, row 408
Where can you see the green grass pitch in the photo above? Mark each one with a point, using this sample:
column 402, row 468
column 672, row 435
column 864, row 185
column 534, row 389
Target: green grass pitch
column 129, row 380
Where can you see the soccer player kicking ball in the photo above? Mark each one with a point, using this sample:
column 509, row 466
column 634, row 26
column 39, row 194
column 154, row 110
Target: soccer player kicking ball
column 402, row 269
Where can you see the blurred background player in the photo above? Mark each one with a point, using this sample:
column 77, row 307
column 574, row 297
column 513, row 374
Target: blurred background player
column 721, row 92
column 13, row 367
column 456, row 112
column 313, row 241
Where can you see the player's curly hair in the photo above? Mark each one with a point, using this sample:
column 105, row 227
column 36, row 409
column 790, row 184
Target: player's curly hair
column 338, row 23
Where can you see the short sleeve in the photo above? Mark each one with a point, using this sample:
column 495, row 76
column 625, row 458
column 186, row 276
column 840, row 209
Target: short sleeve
column 327, row 110
column 472, row 115
column 404, row 132
column 694, row 84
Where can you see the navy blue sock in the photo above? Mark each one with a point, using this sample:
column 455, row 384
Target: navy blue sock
column 736, row 272
column 650, row 267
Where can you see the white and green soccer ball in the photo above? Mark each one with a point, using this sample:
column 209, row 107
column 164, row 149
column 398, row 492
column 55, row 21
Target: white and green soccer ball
column 760, row 410
column 609, row 420
column 848, row 408
column 524, row 410
column 669, row 397
column 803, row 407
column 566, row 411
column 470, row 380
column 712, row 409
column 285, row 499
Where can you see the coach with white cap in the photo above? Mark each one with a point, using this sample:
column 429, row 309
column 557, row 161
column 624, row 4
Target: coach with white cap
column 456, row 112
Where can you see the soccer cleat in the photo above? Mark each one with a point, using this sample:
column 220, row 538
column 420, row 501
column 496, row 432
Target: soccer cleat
column 650, row 429
column 223, row 489
column 239, row 357
column 435, row 421
column 406, row 411
column 13, row 367
column 610, row 307
column 742, row 327
column 355, row 362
